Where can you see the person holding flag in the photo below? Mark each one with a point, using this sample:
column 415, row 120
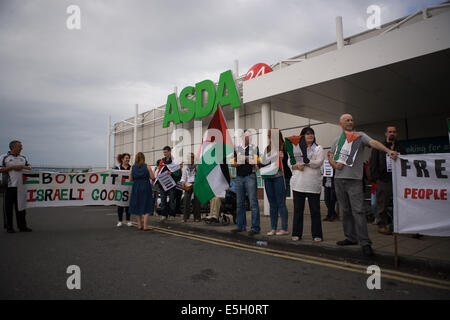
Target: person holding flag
column 245, row 161
column 347, row 158
column 306, row 181
column 272, row 171
column 213, row 177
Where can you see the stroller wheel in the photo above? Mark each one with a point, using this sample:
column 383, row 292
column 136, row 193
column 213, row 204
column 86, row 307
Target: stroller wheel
column 225, row 220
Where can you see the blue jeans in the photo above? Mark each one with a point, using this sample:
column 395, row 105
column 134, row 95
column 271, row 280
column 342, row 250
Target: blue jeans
column 373, row 203
column 247, row 184
column 276, row 194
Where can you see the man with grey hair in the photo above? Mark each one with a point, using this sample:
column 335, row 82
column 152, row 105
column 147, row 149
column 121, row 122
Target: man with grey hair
column 347, row 157
column 11, row 166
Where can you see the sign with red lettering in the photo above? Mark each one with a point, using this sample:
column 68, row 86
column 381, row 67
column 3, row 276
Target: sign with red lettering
column 53, row 189
column 421, row 194
column 257, row 70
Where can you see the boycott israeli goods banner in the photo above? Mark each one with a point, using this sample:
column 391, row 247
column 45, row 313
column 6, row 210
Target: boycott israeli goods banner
column 421, row 194
column 53, row 189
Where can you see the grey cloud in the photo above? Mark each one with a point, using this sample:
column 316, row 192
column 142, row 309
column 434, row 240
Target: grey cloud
column 57, row 87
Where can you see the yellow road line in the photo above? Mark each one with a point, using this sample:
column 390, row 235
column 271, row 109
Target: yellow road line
column 335, row 262
column 390, row 274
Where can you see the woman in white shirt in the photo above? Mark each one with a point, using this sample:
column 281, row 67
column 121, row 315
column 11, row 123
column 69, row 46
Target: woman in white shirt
column 306, row 182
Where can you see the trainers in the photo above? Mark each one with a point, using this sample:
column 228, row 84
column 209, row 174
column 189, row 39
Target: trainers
column 171, row 218
column 367, row 250
column 129, row 224
column 252, row 233
column 271, row 233
column 346, row 242
column 119, row 224
column 11, row 230
column 163, row 218
column 384, row 230
column 282, row 233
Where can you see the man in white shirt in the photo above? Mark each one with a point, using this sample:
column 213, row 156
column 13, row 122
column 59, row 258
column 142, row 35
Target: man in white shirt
column 11, row 167
column 187, row 181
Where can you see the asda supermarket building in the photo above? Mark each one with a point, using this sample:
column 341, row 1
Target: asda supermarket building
column 397, row 75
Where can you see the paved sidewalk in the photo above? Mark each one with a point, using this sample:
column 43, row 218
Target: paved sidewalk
column 432, row 253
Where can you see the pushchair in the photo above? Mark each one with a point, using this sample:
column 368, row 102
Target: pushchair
column 227, row 210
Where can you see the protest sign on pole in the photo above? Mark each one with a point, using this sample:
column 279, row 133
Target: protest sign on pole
column 53, row 189
column 166, row 181
column 327, row 169
column 421, row 194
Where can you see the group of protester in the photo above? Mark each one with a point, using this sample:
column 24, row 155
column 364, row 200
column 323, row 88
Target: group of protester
column 303, row 176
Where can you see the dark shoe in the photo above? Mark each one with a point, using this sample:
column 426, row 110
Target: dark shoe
column 10, row 230
column 326, row 219
column 251, row 233
column 367, row 250
column 237, row 231
column 25, row 230
column 346, row 242
column 331, row 219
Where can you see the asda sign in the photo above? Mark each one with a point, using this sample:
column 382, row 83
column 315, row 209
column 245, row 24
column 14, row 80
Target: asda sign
column 194, row 102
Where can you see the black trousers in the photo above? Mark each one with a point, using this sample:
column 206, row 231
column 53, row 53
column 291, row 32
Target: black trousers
column 187, row 206
column 10, row 202
column 330, row 201
column 120, row 213
column 299, row 208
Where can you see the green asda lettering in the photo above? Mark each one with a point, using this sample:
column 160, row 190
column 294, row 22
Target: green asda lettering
column 226, row 94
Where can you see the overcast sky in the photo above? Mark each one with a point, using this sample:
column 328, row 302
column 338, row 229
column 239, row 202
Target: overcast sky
column 58, row 86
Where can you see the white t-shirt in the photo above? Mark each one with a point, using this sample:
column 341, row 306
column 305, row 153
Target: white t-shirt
column 8, row 160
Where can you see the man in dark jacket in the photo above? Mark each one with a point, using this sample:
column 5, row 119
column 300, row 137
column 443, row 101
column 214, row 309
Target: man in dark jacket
column 381, row 172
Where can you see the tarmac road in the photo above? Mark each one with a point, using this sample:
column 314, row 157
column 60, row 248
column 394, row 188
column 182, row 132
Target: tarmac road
column 124, row 263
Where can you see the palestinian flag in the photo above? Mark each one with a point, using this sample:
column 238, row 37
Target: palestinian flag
column 274, row 164
column 297, row 149
column 347, row 148
column 30, row 178
column 213, row 178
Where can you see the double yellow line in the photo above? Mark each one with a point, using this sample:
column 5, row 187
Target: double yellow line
column 341, row 265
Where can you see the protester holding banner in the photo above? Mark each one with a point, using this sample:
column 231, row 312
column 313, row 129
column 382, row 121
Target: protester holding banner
column 245, row 161
column 168, row 171
column 381, row 173
column 141, row 199
column 187, row 181
column 306, row 182
column 11, row 166
column 123, row 165
column 347, row 157
column 273, row 174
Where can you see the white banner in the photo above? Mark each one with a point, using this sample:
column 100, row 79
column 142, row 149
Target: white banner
column 53, row 189
column 421, row 194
